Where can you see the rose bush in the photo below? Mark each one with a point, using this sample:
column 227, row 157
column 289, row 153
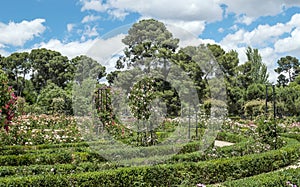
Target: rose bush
column 7, row 102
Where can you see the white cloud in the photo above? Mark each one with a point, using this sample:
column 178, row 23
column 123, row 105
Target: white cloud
column 270, row 57
column 71, row 49
column 17, row 34
column 99, row 49
column 189, row 10
column 245, row 20
column 70, row 27
column 90, row 18
column 295, row 21
column 261, row 36
column 182, row 31
column 118, row 13
column 257, row 8
column 93, row 5
column 289, row 44
column 103, row 49
column 3, row 52
column 194, row 27
column 89, row 32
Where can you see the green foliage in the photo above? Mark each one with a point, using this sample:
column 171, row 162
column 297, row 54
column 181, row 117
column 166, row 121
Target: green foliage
column 256, row 91
column 218, row 104
column 289, row 177
column 268, row 132
column 14, row 65
column 48, row 65
column 7, row 102
column 147, row 39
column 287, row 65
column 255, row 108
column 213, row 171
column 54, row 99
column 258, row 71
column 49, row 159
column 87, row 68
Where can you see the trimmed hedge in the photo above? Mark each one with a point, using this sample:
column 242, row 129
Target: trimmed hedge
column 240, row 149
column 230, row 137
column 209, row 172
column 48, row 159
column 57, row 169
column 276, row 179
column 44, row 151
column 222, row 152
column 292, row 135
column 22, row 148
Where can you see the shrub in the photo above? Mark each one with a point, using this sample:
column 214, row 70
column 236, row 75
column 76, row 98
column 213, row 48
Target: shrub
column 7, row 102
column 213, row 171
column 290, row 177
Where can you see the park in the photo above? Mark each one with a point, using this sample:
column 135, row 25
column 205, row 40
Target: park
column 154, row 121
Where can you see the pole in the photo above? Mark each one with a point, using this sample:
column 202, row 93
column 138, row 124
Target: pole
column 197, row 122
column 189, row 133
column 266, row 108
column 274, row 114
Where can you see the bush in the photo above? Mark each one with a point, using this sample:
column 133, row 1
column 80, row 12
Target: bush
column 286, row 178
column 7, row 102
column 54, row 158
column 213, row 171
column 268, row 132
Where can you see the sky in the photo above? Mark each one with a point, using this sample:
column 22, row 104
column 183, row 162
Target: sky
column 76, row 27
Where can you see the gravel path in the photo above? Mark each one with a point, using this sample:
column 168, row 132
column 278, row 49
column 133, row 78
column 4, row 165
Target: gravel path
column 219, row 143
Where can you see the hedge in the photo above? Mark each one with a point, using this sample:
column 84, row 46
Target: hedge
column 275, row 179
column 58, row 169
column 19, row 149
column 209, row 172
column 240, row 149
column 222, row 152
column 292, row 135
column 44, row 151
column 46, row 159
column 230, row 137
column 24, row 149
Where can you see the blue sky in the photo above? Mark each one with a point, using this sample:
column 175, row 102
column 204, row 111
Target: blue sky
column 73, row 26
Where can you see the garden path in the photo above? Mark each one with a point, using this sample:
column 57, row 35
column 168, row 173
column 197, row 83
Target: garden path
column 219, row 143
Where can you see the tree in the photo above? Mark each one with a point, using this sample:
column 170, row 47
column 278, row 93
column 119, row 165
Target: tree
column 112, row 76
column 149, row 43
column 86, row 67
column 190, row 59
column 259, row 69
column 282, row 80
column 288, row 97
column 50, row 65
column 256, row 91
column 254, row 71
column 16, row 64
column 228, row 63
column 287, row 65
column 54, row 99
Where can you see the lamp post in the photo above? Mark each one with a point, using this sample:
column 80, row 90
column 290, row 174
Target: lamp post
column 274, row 114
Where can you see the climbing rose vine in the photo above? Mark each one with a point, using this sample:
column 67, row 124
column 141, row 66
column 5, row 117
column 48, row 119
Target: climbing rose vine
column 7, row 102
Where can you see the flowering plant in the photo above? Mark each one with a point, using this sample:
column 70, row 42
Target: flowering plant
column 140, row 98
column 7, row 102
